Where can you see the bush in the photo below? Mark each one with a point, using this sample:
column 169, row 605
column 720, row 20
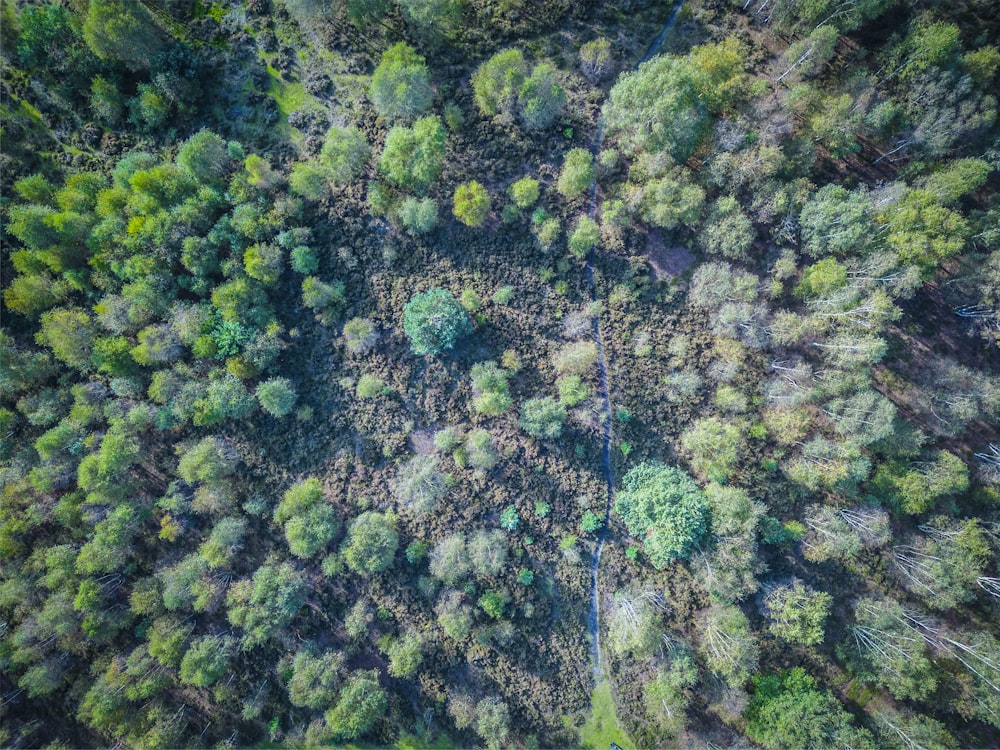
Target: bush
column 434, row 321
column 276, row 396
column 371, row 543
column 413, row 158
column 496, row 82
column 596, row 60
column 419, row 216
column 359, row 335
column 490, row 389
column 541, row 98
column 471, row 204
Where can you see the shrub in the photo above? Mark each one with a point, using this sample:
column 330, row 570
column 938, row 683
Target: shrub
column 359, row 335
column 276, row 396
column 585, row 235
column 400, row 87
column 596, row 60
column 419, row 215
column 525, row 192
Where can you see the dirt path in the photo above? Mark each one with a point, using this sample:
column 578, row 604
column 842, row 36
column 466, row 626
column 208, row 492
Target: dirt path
column 602, row 365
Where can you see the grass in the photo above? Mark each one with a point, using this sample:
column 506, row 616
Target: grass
column 602, row 727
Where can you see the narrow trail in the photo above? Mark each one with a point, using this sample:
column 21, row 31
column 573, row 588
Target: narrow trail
column 602, row 364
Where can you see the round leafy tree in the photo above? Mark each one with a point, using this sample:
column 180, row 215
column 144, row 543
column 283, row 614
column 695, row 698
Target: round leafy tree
column 434, row 321
column 665, row 508
column 371, row 543
column 471, row 204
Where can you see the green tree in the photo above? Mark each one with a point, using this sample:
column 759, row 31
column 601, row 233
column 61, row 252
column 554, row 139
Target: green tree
column 413, row 158
column 344, row 154
column 419, row 215
column 798, row 613
column 209, row 460
column 276, row 396
column 400, row 87
column 487, row 553
column 434, row 321
column 454, row 615
column 225, row 541
column 493, row 722
column 541, row 98
column 359, row 335
column 497, row 81
column 714, row 446
column 405, row 655
column 449, row 560
column 420, row 485
column 658, row 108
column 672, row 200
column 790, row 711
column 490, row 389
column 596, row 60
column 664, row 508
column 360, row 703
column 666, row 696
column 315, row 679
column 584, row 236
column 121, row 31
column 542, row 417
column 206, row 661
column 204, row 156
column 471, row 204
column 577, row 172
column 728, row 231
column 267, row 603
column 69, row 333
column 525, row 192
column 371, row 543
column 836, row 222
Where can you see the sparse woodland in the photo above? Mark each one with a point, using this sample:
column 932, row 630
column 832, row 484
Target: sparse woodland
column 326, row 323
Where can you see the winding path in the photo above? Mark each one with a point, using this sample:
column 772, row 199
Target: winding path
column 602, row 364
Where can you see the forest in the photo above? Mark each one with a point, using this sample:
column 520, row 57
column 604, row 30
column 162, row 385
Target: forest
column 500, row 373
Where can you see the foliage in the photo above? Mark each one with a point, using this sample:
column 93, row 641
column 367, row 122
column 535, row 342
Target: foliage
column 413, row 157
column 542, row 417
column 434, row 321
column 371, row 543
column 471, row 204
column 400, row 87
column 360, row 703
column 798, row 613
column 577, row 172
column 664, row 508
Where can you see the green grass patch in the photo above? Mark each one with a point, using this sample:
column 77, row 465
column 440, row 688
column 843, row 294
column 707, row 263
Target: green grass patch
column 602, row 727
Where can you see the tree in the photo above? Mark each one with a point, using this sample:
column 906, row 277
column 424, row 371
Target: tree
column 454, row 615
column 360, row 335
column 657, row 108
column 420, row 485
column 798, row 613
column 315, row 679
column 714, row 447
column 419, row 215
column 672, row 200
column 729, row 647
column 490, row 389
column 541, row 98
column 493, row 722
column 585, row 235
column 664, row 508
column 413, row 158
column 914, row 488
column 344, row 154
column 882, row 647
column 666, row 696
column 487, row 553
column 267, row 603
column 405, row 655
column 728, row 231
column 790, row 711
column 206, row 661
column 842, row 533
column 276, row 396
column 480, row 452
column 209, row 460
column 596, row 60
column 577, row 172
column 525, row 192
column 120, row 31
column 69, row 333
column 471, row 204
column 542, row 417
column 449, row 561
column 204, row 157
column 224, row 541
column 434, row 321
column 371, row 543
column 400, row 87
column 497, row 81
column 945, row 562
column 924, row 232
column 836, row 222
column 360, row 703
column 310, row 522
column 635, row 625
